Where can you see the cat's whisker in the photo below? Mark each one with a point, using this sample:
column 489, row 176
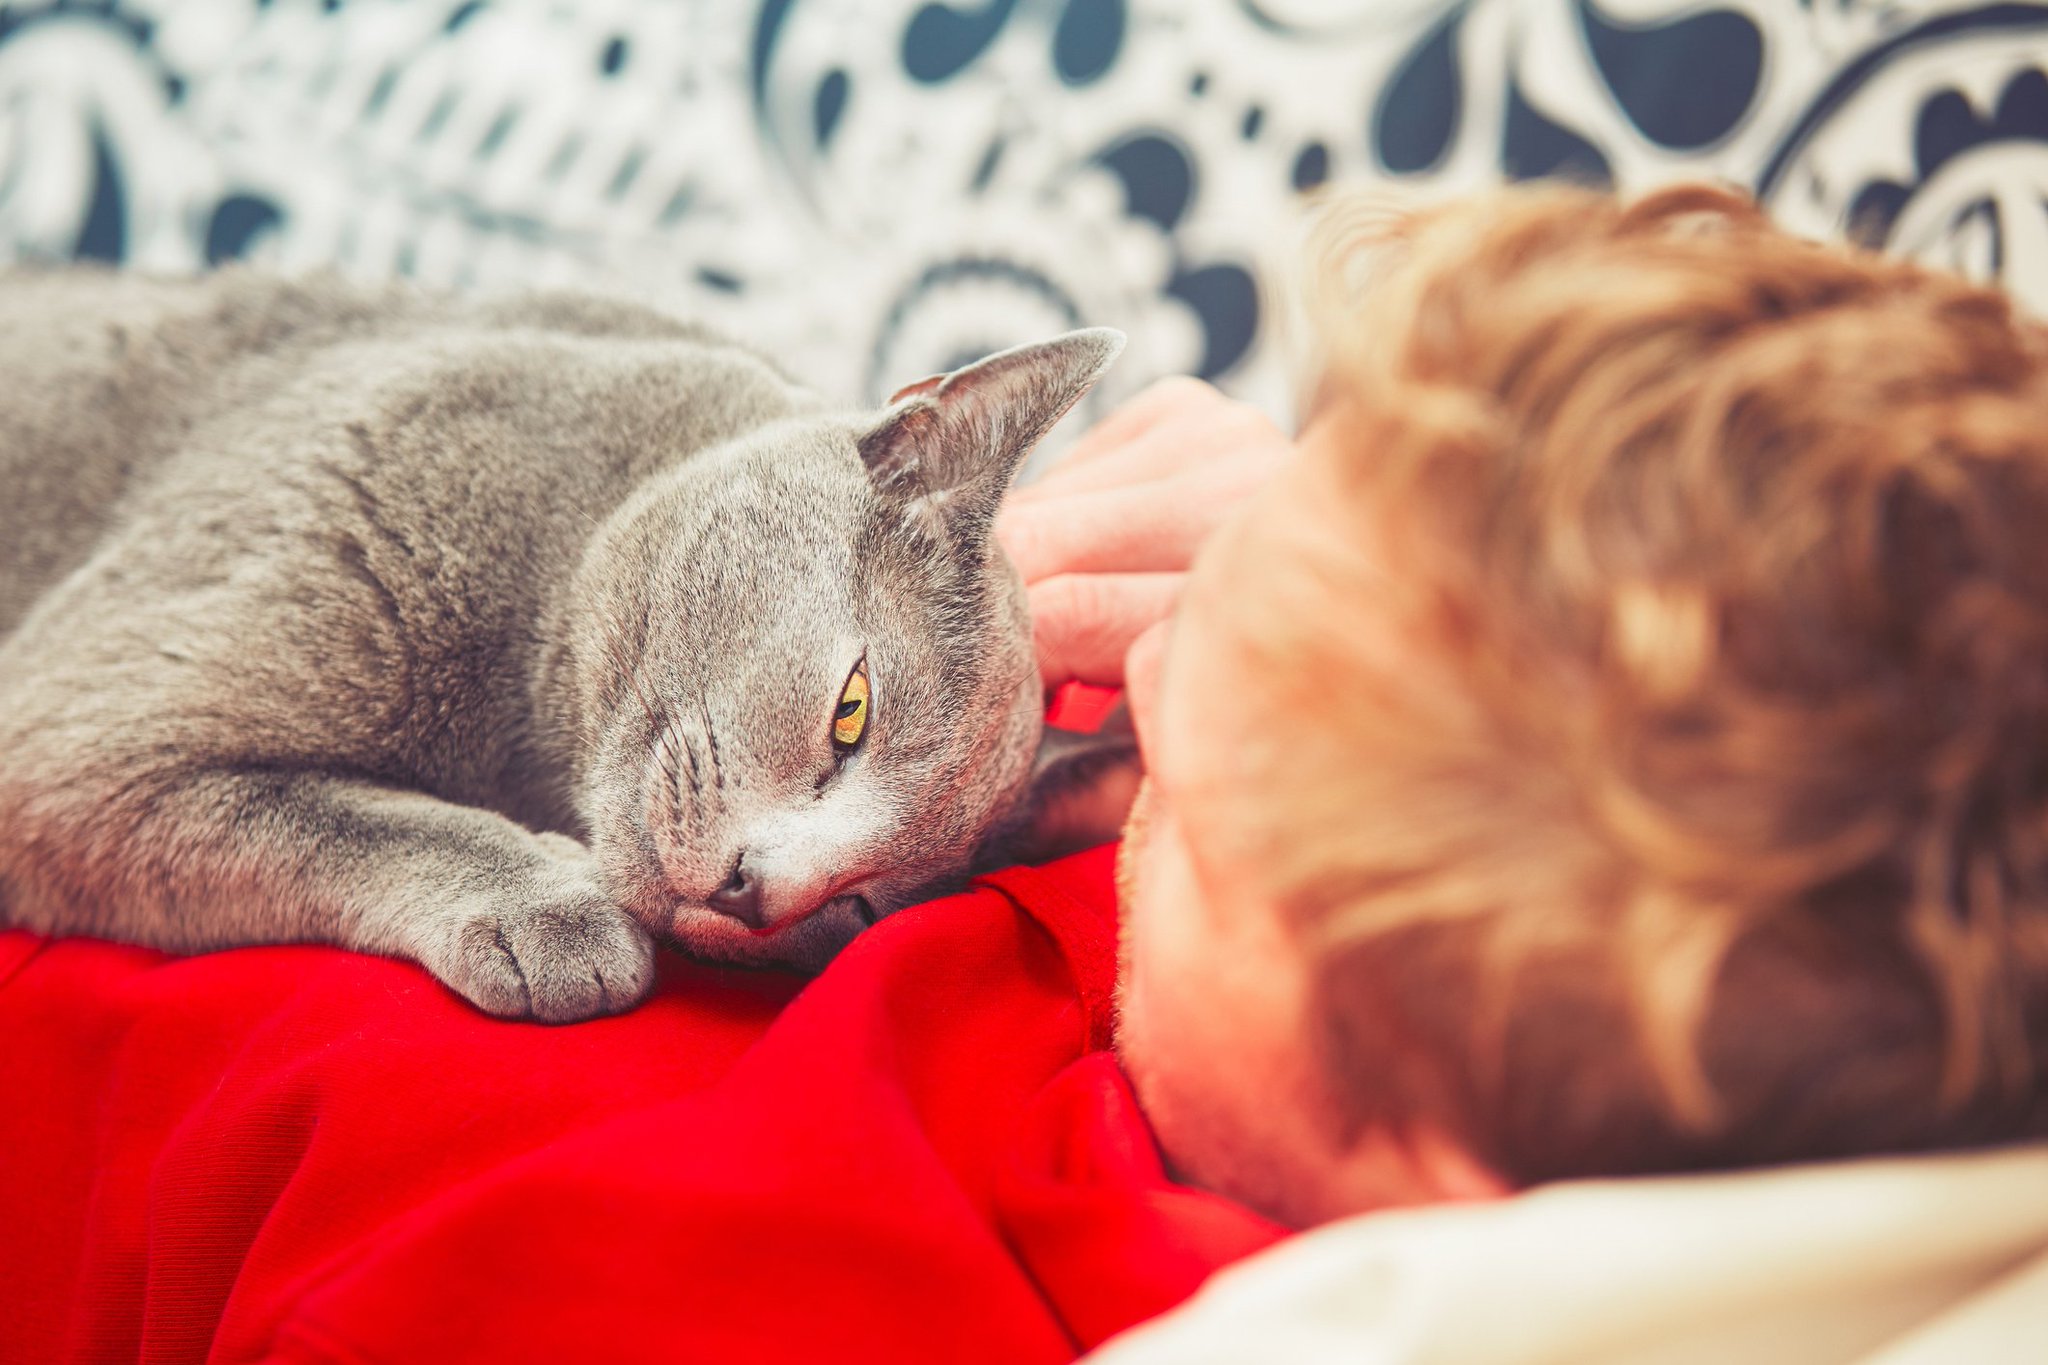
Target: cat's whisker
column 690, row 753
column 588, row 519
column 711, row 740
column 675, row 739
column 629, row 663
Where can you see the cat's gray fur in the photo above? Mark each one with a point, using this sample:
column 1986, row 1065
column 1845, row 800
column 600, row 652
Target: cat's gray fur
column 499, row 636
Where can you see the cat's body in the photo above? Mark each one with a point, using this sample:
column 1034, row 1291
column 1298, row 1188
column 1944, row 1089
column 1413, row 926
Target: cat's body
column 500, row 636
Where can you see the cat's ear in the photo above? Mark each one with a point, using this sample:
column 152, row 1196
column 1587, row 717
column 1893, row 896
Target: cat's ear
column 954, row 441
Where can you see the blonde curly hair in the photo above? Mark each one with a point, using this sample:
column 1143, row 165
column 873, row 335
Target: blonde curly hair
column 1703, row 818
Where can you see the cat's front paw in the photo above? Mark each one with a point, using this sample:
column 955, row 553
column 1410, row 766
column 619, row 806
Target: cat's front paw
column 563, row 958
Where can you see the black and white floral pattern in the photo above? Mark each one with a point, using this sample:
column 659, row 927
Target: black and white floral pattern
column 875, row 189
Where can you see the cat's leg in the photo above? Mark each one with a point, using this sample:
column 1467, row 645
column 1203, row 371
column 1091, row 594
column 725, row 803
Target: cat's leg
column 516, row 922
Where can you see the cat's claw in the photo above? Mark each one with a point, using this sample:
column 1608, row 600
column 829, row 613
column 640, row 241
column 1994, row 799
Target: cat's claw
column 556, row 963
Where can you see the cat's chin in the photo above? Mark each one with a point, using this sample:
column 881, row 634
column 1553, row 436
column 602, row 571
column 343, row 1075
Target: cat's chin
column 805, row 946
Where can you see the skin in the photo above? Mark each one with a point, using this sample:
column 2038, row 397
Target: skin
column 1104, row 539
column 1214, row 986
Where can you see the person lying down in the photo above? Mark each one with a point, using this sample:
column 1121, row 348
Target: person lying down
column 1616, row 744
column 1590, row 878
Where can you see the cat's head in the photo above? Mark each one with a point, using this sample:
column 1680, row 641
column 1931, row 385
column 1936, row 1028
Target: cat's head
column 809, row 693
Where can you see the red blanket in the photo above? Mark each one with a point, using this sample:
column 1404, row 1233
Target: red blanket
column 299, row 1154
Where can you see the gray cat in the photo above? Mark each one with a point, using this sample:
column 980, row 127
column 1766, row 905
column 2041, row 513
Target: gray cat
column 507, row 637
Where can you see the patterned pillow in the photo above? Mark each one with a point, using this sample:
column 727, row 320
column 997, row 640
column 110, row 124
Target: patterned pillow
column 874, row 189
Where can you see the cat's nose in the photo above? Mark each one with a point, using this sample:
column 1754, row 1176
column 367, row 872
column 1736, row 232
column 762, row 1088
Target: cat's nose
column 740, row 897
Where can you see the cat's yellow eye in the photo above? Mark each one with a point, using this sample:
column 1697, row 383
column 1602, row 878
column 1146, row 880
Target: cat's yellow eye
column 850, row 720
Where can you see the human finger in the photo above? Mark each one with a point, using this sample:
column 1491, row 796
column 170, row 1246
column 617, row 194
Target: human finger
column 1184, row 443
column 1157, row 402
column 1149, row 528
column 1176, row 399
column 1083, row 624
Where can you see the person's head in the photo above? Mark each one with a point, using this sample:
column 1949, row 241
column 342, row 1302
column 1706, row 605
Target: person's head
column 1619, row 743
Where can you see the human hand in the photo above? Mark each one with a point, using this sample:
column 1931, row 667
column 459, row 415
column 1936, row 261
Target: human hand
column 1104, row 539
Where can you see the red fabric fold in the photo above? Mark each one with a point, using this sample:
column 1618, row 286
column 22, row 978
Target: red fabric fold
column 299, row 1154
